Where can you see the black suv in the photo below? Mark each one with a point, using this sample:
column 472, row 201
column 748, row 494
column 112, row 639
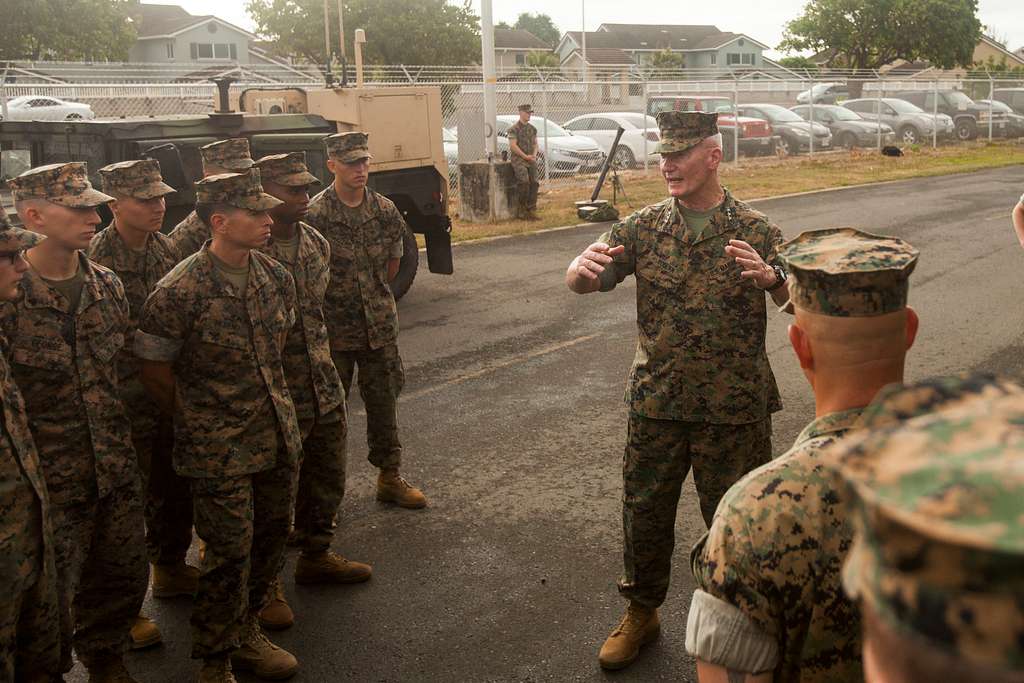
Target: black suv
column 969, row 118
column 1013, row 97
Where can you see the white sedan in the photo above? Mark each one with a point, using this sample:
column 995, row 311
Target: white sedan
column 635, row 140
column 39, row 108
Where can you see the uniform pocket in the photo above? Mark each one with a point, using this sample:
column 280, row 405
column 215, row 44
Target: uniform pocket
column 225, row 336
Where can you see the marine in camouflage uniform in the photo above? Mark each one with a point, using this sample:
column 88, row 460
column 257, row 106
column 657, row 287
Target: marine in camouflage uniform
column 768, row 592
column 64, row 358
column 29, row 631
column 701, row 391
column 362, row 318
column 235, row 432
column 936, row 494
column 168, row 498
column 223, row 156
column 524, row 135
column 313, row 382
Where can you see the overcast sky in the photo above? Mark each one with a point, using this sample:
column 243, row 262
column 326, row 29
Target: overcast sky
column 760, row 20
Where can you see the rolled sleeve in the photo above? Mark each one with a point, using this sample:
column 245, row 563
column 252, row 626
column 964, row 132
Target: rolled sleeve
column 397, row 249
column 623, row 265
column 719, row 633
column 154, row 348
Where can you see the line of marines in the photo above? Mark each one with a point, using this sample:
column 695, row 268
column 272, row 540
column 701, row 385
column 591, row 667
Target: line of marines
column 886, row 545
column 158, row 384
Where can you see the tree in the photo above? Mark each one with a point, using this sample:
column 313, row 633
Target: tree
column 397, row 31
column 541, row 26
column 504, row 25
column 96, row 30
column 868, row 34
column 665, row 62
column 542, row 60
column 799, row 64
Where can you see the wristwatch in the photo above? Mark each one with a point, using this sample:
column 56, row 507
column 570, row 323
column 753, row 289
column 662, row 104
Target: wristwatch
column 780, row 278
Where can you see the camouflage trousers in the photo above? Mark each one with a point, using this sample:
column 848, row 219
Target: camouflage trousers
column 168, row 504
column 527, row 185
column 381, row 378
column 659, row 454
column 102, row 573
column 244, row 521
column 321, row 479
column 29, row 621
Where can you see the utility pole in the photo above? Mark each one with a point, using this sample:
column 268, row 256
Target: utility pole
column 341, row 31
column 583, row 35
column 490, row 106
column 327, row 35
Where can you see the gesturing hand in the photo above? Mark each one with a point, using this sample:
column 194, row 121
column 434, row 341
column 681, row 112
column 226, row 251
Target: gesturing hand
column 754, row 267
column 594, row 258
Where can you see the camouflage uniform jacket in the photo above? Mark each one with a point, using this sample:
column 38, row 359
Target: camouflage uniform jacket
column 775, row 551
column 360, row 307
column 232, row 405
column 700, row 353
column 139, row 272
column 66, row 366
column 313, row 380
column 188, row 236
column 525, row 136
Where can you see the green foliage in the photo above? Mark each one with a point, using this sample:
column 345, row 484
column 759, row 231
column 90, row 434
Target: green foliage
column 800, row 64
column 665, row 62
column 96, row 30
column 868, row 34
column 397, row 31
column 542, row 60
column 502, row 24
column 539, row 25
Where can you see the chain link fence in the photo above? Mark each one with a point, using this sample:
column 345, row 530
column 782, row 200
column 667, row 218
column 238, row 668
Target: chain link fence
column 762, row 112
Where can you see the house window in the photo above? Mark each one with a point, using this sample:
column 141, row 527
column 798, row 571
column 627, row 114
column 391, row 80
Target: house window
column 170, row 50
column 520, row 58
column 214, row 51
column 748, row 58
column 732, row 58
column 714, row 59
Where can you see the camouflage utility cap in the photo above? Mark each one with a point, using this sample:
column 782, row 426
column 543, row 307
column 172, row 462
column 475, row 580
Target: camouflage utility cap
column 938, row 504
column 140, row 179
column 16, row 239
column 241, row 190
column 349, row 147
column 65, row 184
column 681, row 130
column 231, row 154
column 847, row 273
column 286, row 169
column 526, row 108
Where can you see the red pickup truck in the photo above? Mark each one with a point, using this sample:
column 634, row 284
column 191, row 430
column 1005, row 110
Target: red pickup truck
column 756, row 137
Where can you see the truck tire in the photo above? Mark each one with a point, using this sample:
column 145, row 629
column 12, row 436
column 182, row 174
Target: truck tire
column 966, row 128
column 408, row 266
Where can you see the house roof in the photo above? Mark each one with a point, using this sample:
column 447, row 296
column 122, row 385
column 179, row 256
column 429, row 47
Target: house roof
column 606, row 56
column 164, row 21
column 655, row 37
column 517, row 39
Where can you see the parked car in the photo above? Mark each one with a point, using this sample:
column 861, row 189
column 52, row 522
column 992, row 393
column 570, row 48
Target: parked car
column 567, row 153
column 450, row 140
column 794, row 133
column 634, row 143
column 847, row 127
column 756, row 136
column 968, row 117
column 38, row 108
column 824, row 93
column 1014, row 121
column 911, row 123
column 1011, row 96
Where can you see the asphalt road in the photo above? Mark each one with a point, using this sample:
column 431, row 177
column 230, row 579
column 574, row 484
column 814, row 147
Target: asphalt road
column 513, row 423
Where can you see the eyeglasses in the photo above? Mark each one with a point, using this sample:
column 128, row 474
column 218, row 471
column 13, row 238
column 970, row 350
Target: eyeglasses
column 12, row 257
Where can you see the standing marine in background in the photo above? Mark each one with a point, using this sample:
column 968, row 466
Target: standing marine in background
column 366, row 232
column 522, row 144
column 139, row 254
column 313, row 383
column 65, row 333
column 223, row 156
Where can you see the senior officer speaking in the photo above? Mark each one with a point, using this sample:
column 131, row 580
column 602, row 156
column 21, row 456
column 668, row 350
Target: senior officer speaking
column 701, row 391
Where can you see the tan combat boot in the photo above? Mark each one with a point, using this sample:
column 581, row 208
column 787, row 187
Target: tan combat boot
column 327, row 567
column 391, row 488
column 216, row 671
column 109, row 670
column 172, row 580
column 145, row 633
column 277, row 615
column 260, row 656
column 639, row 626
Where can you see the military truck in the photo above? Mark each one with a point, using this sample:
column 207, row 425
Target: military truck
column 404, row 123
